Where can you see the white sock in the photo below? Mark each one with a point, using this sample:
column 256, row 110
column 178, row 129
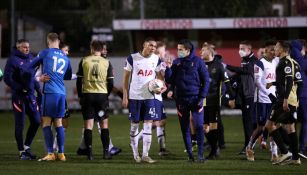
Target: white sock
column 161, row 136
column 140, row 135
column 82, row 142
column 110, row 145
column 25, row 147
column 134, row 143
column 146, row 138
column 98, row 127
column 274, row 148
column 55, row 143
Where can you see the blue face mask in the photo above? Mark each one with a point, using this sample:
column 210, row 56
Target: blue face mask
column 181, row 54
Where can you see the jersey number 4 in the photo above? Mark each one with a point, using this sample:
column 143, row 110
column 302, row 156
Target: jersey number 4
column 58, row 64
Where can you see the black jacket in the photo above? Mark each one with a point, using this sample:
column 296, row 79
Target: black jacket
column 246, row 72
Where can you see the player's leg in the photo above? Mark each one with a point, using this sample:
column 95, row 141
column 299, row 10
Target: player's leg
column 48, row 110
column 198, row 120
column 19, row 116
column 193, row 133
column 247, row 118
column 48, row 137
column 148, row 109
column 213, row 115
column 160, row 122
column 32, row 111
column 102, row 113
column 113, row 150
column 273, row 129
column 60, row 136
column 293, row 146
column 134, row 117
column 88, row 112
column 57, row 115
column 221, row 137
column 184, row 120
column 105, row 138
column 65, row 123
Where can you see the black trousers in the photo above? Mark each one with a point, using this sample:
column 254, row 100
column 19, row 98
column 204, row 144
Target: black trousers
column 247, row 108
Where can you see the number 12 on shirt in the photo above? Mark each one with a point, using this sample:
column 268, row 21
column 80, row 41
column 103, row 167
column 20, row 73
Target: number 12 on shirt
column 58, row 64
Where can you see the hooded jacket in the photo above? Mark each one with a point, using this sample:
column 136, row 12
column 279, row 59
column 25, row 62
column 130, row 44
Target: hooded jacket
column 15, row 76
column 189, row 77
column 302, row 61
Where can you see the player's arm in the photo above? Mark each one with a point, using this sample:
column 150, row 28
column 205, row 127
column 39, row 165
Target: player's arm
column 127, row 73
column 110, row 78
column 226, row 81
column 125, row 88
column 8, row 72
column 288, row 84
column 79, row 79
column 170, row 72
column 204, row 80
column 245, row 69
column 258, row 74
column 38, row 60
column 1, row 75
column 68, row 73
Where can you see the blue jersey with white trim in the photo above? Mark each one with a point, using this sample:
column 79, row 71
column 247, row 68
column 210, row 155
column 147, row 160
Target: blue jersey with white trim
column 57, row 66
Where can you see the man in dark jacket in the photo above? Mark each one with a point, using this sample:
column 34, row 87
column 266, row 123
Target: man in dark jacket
column 24, row 101
column 190, row 79
column 246, row 88
column 212, row 103
column 298, row 53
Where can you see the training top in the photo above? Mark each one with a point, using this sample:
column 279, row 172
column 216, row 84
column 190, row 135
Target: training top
column 57, row 66
column 265, row 73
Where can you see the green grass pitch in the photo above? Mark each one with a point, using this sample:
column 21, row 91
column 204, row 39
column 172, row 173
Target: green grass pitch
column 229, row 162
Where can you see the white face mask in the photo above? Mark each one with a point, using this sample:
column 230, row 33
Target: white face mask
column 303, row 52
column 242, row 53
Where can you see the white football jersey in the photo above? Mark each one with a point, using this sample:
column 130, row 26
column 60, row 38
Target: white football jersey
column 143, row 70
column 264, row 74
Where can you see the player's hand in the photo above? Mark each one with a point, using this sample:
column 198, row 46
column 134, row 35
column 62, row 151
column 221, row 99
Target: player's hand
column 163, row 89
column 44, row 78
column 125, row 103
column 232, row 104
column 168, row 62
column 206, row 128
column 268, row 85
column 170, row 94
column 285, row 105
column 200, row 104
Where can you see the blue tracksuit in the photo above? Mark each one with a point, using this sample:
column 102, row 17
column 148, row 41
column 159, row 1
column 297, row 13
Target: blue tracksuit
column 302, row 111
column 24, row 102
column 190, row 79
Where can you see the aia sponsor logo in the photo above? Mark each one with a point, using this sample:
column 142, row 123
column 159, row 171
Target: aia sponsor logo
column 145, row 73
column 270, row 76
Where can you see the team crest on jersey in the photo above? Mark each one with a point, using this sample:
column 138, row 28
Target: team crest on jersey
column 287, row 69
column 256, row 70
column 213, row 71
column 298, row 75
